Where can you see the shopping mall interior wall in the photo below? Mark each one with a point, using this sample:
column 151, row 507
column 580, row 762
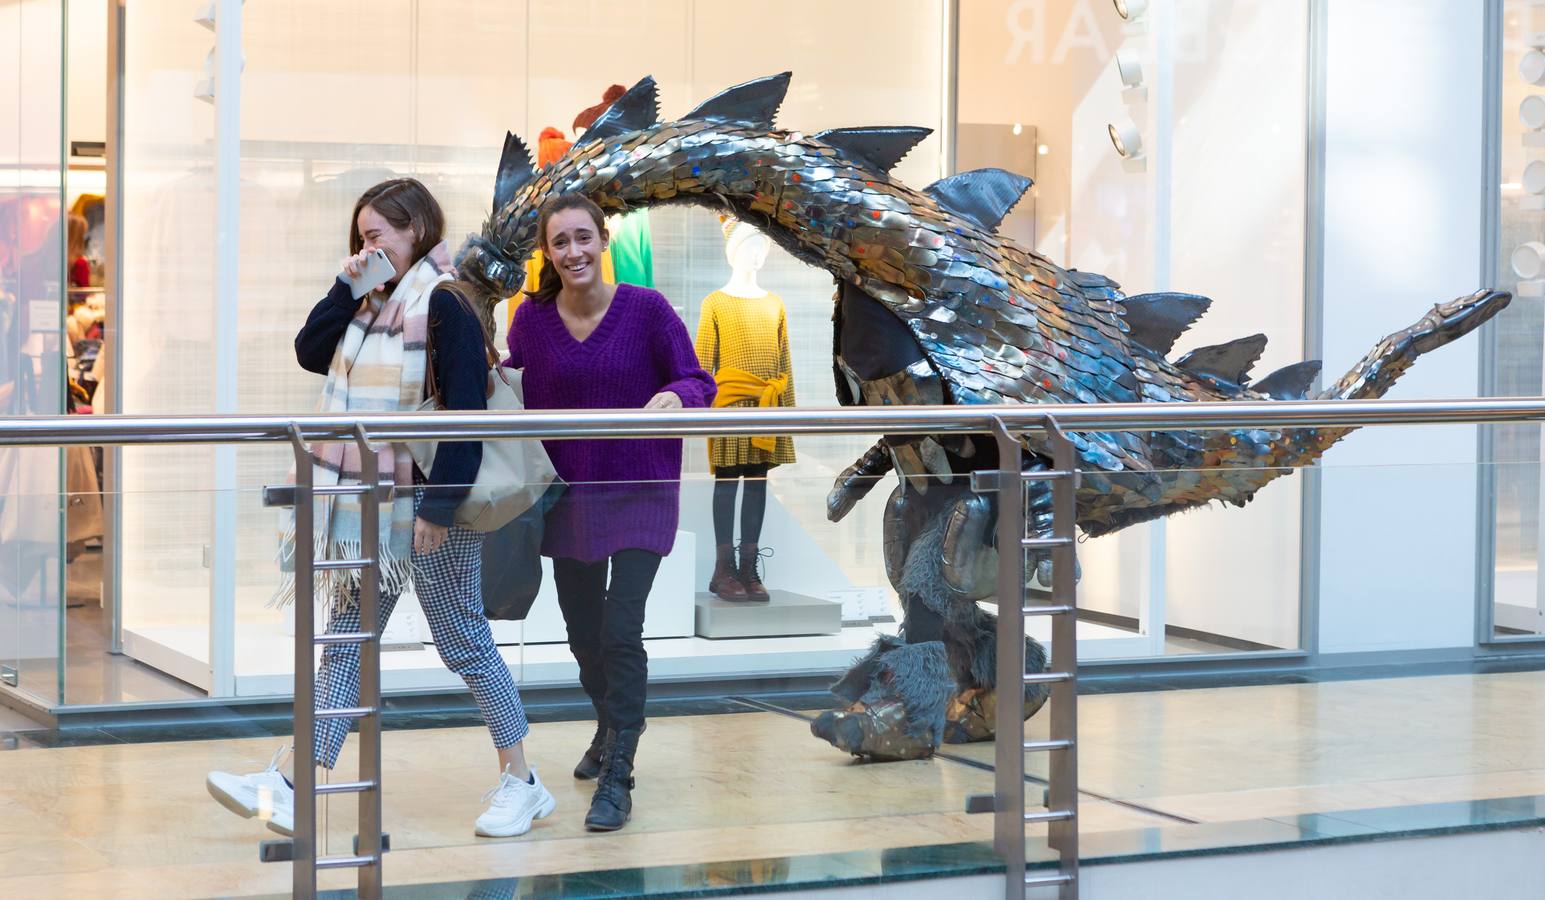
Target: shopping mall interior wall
column 1402, row 231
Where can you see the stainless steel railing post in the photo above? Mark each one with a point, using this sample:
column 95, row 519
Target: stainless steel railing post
column 1010, row 817
column 1062, row 793
column 304, row 841
column 369, row 835
column 1009, row 757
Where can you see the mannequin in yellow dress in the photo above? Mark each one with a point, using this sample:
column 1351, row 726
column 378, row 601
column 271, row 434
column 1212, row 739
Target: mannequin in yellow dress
column 743, row 339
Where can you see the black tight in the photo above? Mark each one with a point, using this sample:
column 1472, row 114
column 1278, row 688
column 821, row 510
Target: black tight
column 752, row 509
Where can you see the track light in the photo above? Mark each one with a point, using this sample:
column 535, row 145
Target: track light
column 1532, row 112
column 1529, row 260
column 1532, row 67
column 1131, row 10
column 1534, row 177
column 1127, row 140
column 1130, row 67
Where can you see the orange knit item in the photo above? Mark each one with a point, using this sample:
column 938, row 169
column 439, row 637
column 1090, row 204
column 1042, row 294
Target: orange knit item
column 550, row 147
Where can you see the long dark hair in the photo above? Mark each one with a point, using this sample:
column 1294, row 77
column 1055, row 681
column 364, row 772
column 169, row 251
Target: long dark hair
column 406, row 204
column 548, row 283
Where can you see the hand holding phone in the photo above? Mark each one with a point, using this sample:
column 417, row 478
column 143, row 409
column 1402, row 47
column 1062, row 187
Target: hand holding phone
column 367, row 270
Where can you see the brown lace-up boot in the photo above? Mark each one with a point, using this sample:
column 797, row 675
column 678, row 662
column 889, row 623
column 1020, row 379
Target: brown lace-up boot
column 725, row 583
column 750, row 578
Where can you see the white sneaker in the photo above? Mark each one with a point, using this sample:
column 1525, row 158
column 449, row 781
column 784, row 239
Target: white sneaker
column 513, row 805
column 263, row 794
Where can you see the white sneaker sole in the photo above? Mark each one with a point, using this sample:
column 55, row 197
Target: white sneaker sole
column 542, row 812
column 227, row 799
column 236, row 805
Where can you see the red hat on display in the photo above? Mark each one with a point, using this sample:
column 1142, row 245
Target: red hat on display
column 587, row 118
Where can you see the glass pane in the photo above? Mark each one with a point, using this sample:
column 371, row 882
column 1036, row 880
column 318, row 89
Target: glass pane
column 1213, row 204
column 1516, row 364
column 31, row 341
column 167, row 338
column 718, row 771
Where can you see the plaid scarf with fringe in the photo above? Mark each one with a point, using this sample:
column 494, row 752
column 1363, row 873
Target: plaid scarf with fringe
column 378, row 367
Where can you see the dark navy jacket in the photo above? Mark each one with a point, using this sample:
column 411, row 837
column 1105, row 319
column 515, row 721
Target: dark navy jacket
column 461, row 373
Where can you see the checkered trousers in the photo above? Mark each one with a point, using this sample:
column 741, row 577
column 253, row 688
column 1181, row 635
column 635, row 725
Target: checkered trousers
column 450, row 589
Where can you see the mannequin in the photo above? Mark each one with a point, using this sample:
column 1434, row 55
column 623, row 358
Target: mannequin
column 743, row 339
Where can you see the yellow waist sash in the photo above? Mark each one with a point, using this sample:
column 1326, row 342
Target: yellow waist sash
column 736, row 385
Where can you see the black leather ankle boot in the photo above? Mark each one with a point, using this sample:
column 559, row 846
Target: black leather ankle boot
column 590, row 764
column 612, row 805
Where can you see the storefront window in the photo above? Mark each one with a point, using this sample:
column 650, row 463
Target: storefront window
column 31, row 341
column 420, row 94
column 1516, row 363
column 1209, row 200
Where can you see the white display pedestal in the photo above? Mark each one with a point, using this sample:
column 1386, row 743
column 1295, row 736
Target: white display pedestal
column 263, row 657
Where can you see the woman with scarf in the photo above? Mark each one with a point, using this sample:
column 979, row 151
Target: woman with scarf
column 378, row 353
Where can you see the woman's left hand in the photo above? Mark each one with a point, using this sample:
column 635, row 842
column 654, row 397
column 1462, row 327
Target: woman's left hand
column 427, row 536
column 664, row 400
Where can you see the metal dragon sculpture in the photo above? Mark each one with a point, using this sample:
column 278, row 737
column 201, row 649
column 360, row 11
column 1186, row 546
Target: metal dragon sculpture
column 934, row 307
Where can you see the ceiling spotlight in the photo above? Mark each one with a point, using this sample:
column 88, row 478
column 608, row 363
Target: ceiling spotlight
column 1131, row 10
column 1018, row 129
column 1532, row 112
column 1130, row 67
column 1532, row 67
column 1043, row 149
column 1126, row 139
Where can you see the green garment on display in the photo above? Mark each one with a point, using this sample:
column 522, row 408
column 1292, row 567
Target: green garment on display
column 632, row 253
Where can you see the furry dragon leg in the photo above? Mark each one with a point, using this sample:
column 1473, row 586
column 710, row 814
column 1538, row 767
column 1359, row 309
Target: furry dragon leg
column 936, row 681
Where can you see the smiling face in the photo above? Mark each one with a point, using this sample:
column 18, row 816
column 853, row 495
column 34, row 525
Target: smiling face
column 574, row 241
column 377, row 233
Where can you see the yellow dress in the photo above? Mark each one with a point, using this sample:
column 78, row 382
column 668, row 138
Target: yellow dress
column 749, row 334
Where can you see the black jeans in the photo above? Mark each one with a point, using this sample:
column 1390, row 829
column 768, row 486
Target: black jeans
column 606, row 630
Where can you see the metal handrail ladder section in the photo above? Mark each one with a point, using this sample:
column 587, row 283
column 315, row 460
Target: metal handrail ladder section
column 1002, row 422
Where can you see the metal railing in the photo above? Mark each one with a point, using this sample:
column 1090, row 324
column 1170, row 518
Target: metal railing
column 1002, row 422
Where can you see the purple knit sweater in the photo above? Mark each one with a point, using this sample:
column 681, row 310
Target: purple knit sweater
column 622, row 494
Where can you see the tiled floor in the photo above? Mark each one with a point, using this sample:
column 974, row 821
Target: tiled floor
column 134, row 819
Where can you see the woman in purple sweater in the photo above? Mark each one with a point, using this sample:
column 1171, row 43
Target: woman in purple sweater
column 586, row 344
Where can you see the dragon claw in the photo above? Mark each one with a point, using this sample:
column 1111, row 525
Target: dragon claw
column 877, row 732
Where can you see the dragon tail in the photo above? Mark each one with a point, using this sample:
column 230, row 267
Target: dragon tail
column 1375, row 373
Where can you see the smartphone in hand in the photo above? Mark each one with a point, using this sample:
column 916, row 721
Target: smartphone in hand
column 376, row 271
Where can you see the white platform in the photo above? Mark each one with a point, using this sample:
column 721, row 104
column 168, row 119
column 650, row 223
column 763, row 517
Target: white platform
column 263, row 656
column 262, row 662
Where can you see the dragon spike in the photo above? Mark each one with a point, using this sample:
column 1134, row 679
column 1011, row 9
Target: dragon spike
column 880, row 148
column 1229, row 363
column 515, row 170
column 754, row 103
column 984, row 196
column 1157, row 320
column 635, row 110
column 1289, row 382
